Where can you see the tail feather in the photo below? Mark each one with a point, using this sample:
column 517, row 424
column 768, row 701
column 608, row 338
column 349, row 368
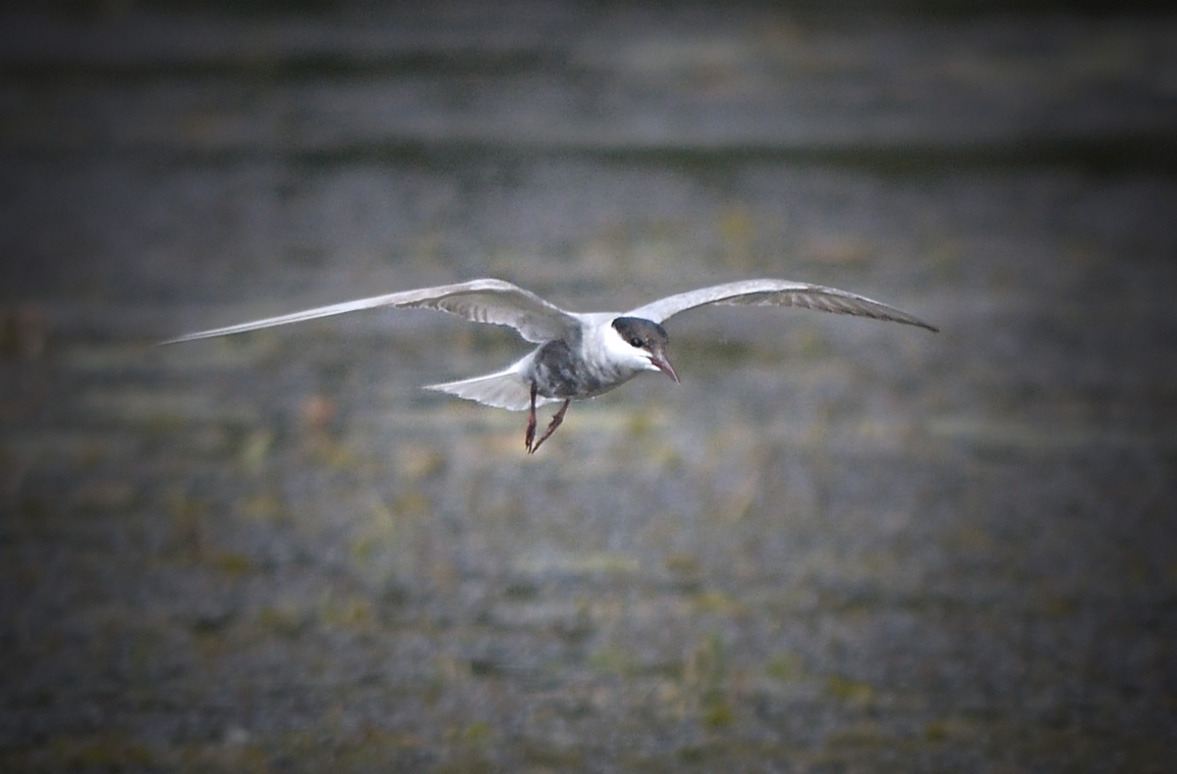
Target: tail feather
column 505, row 389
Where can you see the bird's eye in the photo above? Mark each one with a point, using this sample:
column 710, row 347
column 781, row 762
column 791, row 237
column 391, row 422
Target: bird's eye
column 635, row 342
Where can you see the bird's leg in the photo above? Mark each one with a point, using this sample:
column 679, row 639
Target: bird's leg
column 529, row 436
column 556, row 420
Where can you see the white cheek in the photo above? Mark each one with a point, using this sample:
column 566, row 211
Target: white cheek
column 620, row 351
column 641, row 359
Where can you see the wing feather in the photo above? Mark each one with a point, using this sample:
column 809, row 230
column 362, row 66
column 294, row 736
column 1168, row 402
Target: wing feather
column 484, row 300
column 772, row 292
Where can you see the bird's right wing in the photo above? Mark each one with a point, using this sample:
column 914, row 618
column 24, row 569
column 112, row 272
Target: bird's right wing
column 773, row 292
column 483, row 300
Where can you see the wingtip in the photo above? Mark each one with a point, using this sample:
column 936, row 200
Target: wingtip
column 908, row 319
column 184, row 338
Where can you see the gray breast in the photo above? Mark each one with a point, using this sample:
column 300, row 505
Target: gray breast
column 561, row 372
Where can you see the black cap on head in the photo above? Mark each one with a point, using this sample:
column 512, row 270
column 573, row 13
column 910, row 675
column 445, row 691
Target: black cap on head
column 647, row 335
column 641, row 333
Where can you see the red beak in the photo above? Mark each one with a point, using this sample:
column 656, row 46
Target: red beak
column 658, row 358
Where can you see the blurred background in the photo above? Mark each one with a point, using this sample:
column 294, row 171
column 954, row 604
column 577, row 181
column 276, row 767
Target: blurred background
column 840, row 545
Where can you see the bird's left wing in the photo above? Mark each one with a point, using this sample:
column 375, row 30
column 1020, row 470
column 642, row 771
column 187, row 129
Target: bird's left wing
column 773, row 292
column 483, row 300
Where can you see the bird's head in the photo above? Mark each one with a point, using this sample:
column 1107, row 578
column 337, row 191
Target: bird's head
column 644, row 342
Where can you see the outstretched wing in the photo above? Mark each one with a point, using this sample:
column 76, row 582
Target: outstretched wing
column 772, row 292
column 483, row 300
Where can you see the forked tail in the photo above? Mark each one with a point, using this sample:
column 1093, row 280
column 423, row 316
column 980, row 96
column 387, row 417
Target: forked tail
column 505, row 389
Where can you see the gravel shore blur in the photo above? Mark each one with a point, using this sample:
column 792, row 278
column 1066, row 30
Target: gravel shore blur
column 838, row 546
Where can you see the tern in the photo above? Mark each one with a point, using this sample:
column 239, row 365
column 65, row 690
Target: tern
column 580, row 355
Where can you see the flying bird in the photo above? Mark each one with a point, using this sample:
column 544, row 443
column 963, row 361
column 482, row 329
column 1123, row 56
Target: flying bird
column 580, row 355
